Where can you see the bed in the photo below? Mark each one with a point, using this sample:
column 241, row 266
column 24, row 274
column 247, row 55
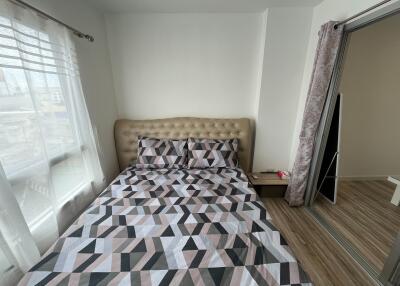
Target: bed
column 173, row 226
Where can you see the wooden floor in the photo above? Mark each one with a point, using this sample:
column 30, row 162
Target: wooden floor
column 364, row 215
column 320, row 256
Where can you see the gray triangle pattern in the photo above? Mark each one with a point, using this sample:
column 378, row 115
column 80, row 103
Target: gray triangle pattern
column 212, row 153
column 161, row 153
column 172, row 227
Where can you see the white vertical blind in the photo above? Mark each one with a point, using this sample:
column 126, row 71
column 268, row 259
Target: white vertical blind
column 49, row 162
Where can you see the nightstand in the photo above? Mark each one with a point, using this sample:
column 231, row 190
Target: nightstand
column 268, row 184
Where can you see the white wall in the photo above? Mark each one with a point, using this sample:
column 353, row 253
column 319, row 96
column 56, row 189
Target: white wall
column 284, row 57
column 214, row 65
column 185, row 64
column 370, row 133
column 324, row 12
column 95, row 67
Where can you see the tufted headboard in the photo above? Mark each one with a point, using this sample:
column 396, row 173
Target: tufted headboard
column 126, row 133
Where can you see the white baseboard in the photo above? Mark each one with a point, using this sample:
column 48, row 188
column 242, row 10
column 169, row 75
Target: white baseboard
column 363, row 178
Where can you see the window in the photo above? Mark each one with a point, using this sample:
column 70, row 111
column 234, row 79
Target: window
column 49, row 164
column 47, row 149
column 40, row 149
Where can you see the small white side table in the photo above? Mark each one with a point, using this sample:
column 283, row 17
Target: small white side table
column 396, row 196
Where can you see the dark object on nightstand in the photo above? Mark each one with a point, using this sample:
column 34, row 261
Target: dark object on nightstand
column 268, row 184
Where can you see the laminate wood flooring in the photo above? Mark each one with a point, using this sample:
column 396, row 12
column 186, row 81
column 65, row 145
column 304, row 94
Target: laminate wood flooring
column 364, row 215
column 325, row 261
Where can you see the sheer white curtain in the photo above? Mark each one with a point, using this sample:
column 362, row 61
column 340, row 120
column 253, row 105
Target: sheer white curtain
column 49, row 165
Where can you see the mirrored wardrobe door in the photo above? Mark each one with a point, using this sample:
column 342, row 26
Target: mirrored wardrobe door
column 356, row 172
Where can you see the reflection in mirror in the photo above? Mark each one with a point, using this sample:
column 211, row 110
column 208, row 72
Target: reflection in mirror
column 358, row 188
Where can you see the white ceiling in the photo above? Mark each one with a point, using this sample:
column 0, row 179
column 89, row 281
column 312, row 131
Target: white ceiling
column 193, row 6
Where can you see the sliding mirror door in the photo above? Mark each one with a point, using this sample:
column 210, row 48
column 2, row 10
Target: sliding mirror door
column 355, row 178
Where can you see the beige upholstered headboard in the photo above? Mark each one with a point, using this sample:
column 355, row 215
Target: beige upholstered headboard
column 126, row 133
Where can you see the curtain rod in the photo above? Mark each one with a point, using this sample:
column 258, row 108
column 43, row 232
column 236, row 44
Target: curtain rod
column 361, row 13
column 74, row 31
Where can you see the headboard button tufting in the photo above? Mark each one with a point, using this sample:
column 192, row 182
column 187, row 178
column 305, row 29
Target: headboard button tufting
column 127, row 131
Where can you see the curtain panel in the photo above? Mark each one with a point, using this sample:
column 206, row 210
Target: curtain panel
column 326, row 54
column 49, row 162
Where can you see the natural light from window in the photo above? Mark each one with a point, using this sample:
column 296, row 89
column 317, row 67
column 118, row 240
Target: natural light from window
column 40, row 149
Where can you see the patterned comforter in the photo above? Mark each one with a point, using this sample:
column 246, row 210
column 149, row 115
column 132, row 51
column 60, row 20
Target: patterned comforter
column 171, row 227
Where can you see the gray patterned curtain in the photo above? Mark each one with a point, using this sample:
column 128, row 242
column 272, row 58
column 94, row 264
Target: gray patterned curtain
column 328, row 46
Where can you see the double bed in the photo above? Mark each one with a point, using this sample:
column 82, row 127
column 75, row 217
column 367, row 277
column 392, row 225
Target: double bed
column 173, row 226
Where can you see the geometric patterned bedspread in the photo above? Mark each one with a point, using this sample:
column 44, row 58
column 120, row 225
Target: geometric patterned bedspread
column 172, row 227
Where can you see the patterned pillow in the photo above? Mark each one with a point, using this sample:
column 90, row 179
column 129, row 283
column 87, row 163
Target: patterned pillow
column 161, row 153
column 212, row 153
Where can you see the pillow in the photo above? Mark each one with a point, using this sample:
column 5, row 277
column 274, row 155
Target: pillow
column 161, row 153
column 212, row 153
